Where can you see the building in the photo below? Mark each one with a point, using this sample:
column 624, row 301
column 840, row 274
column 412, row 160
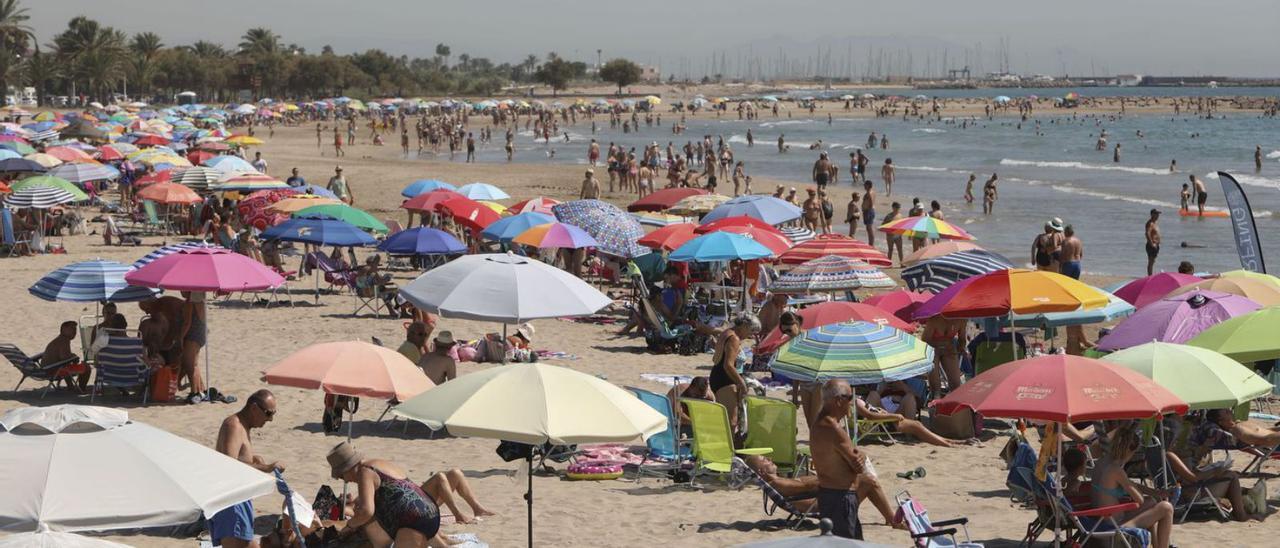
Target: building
column 650, row 73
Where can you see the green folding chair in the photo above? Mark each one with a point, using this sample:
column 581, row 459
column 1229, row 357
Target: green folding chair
column 713, row 443
column 771, row 424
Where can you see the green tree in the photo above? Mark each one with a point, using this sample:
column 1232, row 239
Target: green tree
column 93, row 53
column 15, row 37
column 443, row 51
column 621, row 72
column 258, row 41
column 207, row 50
column 145, row 47
column 40, row 71
column 555, row 73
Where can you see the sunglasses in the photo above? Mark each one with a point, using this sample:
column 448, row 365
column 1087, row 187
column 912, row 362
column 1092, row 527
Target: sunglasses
column 270, row 413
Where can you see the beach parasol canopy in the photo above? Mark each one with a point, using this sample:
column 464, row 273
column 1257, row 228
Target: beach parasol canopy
column 856, row 351
column 428, row 201
column 70, row 154
column 502, row 288
column 51, row 181
column 1245, row 338
column 664, row 199
column 1061, row 388
column 830, row 312
column 1115, row 309
column 740, row 221
column 538, row 205
column 205, row 269
column 319, row 230
column 1203, row 378
column 344, row 212
column 1262, row 292
column 21, row 165
column 249, row 182
column 422, row 241
column 831, row 273
column 925, row 226
column 38, row 197
column 44, row 538
column 482, row 191
column 425, row 185
column 720, row 246
column 1014, row 291
column 935, row 250
column 506, row 228
column 469, row 213
column 199, row 177
column 615, row 231
column 53, row 474
column 84, row 173
column 669, row 237
column 937, row 274
column 834, row 244
column 350, row 368
column 697, row 204
column 90, row 281
column 169, row 250
column 169, row 193
column 295, row 203
column 902, row 303
column 228, row 164
column 771, row 210
column 1144, row 291
column 1249, row 274
column 555, row 236
column 770, row 238
column 1176, row 319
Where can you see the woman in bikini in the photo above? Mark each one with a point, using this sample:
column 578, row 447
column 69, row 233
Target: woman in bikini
column 1111, row 484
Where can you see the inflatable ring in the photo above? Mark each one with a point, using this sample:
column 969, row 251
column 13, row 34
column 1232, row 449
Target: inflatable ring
column 595, row 470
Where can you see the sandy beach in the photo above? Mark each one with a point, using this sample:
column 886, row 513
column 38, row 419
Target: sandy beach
column 967, row 481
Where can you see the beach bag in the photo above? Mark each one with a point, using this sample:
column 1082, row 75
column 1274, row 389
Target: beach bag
column 334, row 407
column 164, row 384
column 1255, row 499
column 492, row 348
column 327, row 505
column 958, row 425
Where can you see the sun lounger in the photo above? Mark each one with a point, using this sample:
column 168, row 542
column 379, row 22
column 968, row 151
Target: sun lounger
column 713, row 443
column 926, row 533
column 775, row 500
column 30, row 367
column 13, row 241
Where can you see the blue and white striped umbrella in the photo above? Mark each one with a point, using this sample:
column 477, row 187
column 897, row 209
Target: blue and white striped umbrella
column 198, row 177
column 90, row 281
column 938, row 273
column 170, row 250
column 39, row 197
column 83, row 173
column 797, row 234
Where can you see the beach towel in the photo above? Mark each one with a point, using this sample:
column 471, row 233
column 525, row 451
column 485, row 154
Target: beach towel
column 613, row 452
column 554, row 355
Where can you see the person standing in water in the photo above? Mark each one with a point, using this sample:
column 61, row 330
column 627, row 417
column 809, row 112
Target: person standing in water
column 1115, row 156
column 990, row 195
column 1202, row 195
column 1257, row 158
column 1152, row 234
column 968, row 188
column 889, row 174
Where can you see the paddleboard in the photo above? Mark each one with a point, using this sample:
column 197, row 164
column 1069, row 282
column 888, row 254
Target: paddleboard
column 1194, row 213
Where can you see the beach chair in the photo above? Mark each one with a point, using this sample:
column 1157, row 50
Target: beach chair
column 775, row 500
column 713, row 443
column 151, row 220
column 771, row 423
column 121, row 365
column 30, row 367
column 664, row 445
column 1079, row 525
column 861, row 428
column 12, row 240
column 1163, row 478
column 335, row 274
column 368, row 296
column 926, row 533
column 658, row 335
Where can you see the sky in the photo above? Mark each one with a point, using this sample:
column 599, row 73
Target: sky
column 1076, row 37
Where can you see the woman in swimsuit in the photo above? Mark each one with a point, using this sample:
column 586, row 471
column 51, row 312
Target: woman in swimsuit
column 388, row 507
column 192, row 338
column 727, row 364
column 1111, row 483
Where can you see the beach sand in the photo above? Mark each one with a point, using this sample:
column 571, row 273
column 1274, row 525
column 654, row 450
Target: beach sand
column 967, row 481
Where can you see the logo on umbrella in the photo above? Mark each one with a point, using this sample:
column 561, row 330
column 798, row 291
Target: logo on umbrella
column 1033, row 392
column 1099, row 393
column 304, row 231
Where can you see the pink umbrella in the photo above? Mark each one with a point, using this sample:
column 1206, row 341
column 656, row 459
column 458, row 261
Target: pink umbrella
column 556, row 235
column 1144, row 291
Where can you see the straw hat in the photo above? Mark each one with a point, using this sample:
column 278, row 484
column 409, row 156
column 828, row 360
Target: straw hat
column 445, row 338
column 526, row 330
column 342, row 457
column 1056, row 224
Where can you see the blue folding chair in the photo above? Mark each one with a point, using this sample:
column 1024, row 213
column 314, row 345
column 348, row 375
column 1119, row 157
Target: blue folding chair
column 121, row 365
column 664, row 445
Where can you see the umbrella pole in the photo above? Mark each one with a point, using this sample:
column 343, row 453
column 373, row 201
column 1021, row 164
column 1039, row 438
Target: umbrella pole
column 528, row 496
column 1058, row 440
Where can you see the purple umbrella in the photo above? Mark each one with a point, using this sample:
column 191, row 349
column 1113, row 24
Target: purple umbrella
column 556, row 235
column 934, row 305
column 1176, row 319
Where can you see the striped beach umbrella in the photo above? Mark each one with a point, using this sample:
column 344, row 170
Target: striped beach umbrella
column 658, row 219
column 799, row 235
column 935, row 275
column 50, row 181
column 90, row 281
column 169, row 250
column 834, row 244
column 249, row 182
column 831, row 273
column 199, row 177
column 924, row 226
column 555, row 236
column 856, row 351
column 38, row 197
column 20, row 165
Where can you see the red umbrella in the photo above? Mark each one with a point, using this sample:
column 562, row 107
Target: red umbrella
column 739, row 220
column 669, row 237
column 1144, row 291
column 1062, row 388
column 834, row 244
column 255, row 209
column 429, row 201
column 900, row 302
column 151, row 141
column 214, row 146
column 663, row 199
column 776, row 243
column 168, row 193
column 831, row 312
column 109, row 153
column 539, row 205
column 162, row 176
column 198, row 157
column 470, row 213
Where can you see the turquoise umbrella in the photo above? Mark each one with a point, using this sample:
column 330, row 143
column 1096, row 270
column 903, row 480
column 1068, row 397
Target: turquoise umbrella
column 720, row 246
column 856, row 351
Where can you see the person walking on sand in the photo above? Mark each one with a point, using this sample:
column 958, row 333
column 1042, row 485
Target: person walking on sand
column 841, row 466
column 319, row 136
column 812, row 211
column 889, row 174
column 869, row 211
column 338, row 186
column 233, row 526
column 968, row 188
column 590, row 186
column 1152, row 233
column 337, row 142
column 990, row 195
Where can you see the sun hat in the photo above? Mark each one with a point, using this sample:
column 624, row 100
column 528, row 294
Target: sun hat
column 526, row 330
column 445, row 338
column 1056, row 224
column 342, row 457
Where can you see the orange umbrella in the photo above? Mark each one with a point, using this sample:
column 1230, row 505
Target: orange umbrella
column 945, row 247
column 169, row 193
column 350, row 368
column 68, row 154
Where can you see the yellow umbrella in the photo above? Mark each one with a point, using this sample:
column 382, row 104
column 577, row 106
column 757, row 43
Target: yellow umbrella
column 244, row 140
column 697, row 205
column 653, row 100
column 300, row 202
column 1249, row 275
column 1259, row 291
column 44, row 159
column 495, row 206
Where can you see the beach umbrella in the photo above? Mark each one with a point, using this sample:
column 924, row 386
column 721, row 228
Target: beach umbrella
column 739, row 221
column 199, row 177
column 1002, row 99
column 38, row 197
column 935, row 250
column 503, row 288
column 163, row 176
column 82, row 129
column 1245, row 338
column 422, row 241
column 255, row 209
column 614, row 230
column 1176, row 319
column 662, row 199
column 720, row 246
column 1144, row 291
column 770, row 238
column 469, row 213
column 924, row 226
column 858, row 352
column 249, row 182
column 344, row 212
column 506, row 228
column 90, row 281
column 698, row 204
column 425, row 185
column 315, row 190
column 70, row 154
column 1259, row 291
column 538, row 205
column 243, row 140
column 831, row 273
column 902, row 303
column 829, row 312
column 110, row 153
column 800, row 234
column 526, row 403
column 151, row 140
column 834, row 244
column 654, row 218
column 1249, row 274
column 53, row 474
column 319, row 230
column 169, row 193
column 230, row 164
column 935, row 275
column 482, row 191
column 428, row 201
column 669, row 237
column 21, row 165
column 771, row 210
column 23, row 148
column 555, row 236
column 42, row 537
column 169, row 250
column 1115, row 309
column 495, row 206
column 40, row 158
column 1061, row 388
column 295, row 203
column 1203, row 378
column 1014, row 291
column 50, row 181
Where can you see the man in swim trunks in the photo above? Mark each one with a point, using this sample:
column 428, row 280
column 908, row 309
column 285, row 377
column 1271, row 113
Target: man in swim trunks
column 233, row 527
column 1070, row 252
column 841, row 466
column 1152, row 231
column 822, row 171
column 869, row 211
column 1202, row 195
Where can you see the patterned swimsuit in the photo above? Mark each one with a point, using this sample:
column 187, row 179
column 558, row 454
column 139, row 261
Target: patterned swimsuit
column 400, row 503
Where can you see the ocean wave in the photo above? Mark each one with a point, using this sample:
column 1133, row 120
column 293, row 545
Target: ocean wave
column 924, row 168
column 928, row 130
column 1069, row 189
column 787, row 123
column 1249, row 180
column 1082, row 165
column 1274, row 155
column 740, row 139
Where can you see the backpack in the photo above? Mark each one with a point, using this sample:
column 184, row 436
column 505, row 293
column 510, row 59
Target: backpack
column 334, row 407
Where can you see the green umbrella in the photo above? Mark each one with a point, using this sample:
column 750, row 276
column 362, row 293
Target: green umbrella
column 858, row 352
column 19, row 147
column 1245, row 338
column 49, row 180
column 343, row 212
column 1203, row 378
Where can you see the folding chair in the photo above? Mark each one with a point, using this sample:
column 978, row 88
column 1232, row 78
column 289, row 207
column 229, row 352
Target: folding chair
column 862, row 428
column 925, row 533
column 1163, row 478
column 713, row 443
column 12, row 240
column 774, row 500
column 664, row 445
column 121, row 365
column 30, row 367
column 1079, row 525
column 771, row 423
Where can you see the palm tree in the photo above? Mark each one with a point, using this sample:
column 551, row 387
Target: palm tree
column 464, row 62
column 443, row 51
column 530, row 63
column 259, row 40
column 100, row 66
column 40, row 71
column 15, row 36
column 83, row 38
column 145, row 47
column 207, row 50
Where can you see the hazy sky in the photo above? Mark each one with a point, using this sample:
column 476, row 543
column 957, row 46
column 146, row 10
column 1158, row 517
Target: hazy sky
column 1187, row 37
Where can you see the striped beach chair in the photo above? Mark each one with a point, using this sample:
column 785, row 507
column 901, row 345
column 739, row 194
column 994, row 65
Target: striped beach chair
column 121, row 365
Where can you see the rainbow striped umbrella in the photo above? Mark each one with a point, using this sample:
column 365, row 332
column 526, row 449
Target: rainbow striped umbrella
column 925, row 226
column 856, row 351
column 556, row 235
column 831, row 273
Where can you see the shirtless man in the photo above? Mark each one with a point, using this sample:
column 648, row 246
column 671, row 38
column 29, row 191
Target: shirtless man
column 590, row 186
column 808, row 484
column 438, row 364
column 822, row 171
column 233, row 527
column 841, row 466
column 968, row 188
column 1248, row 432
column 869, row 211
column 1202, row 195
column 782, row 142
column 593, row 153
column 1152, row 232
column 59, row 349
column 812, row 211
column 889, row 174
column 1070, row 253
column 853, row 214
column 990, row 195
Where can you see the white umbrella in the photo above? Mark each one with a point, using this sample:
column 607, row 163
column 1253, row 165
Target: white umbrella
column 93, row 473
column 502, row 288
column 534, row 404
column 45, row 538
